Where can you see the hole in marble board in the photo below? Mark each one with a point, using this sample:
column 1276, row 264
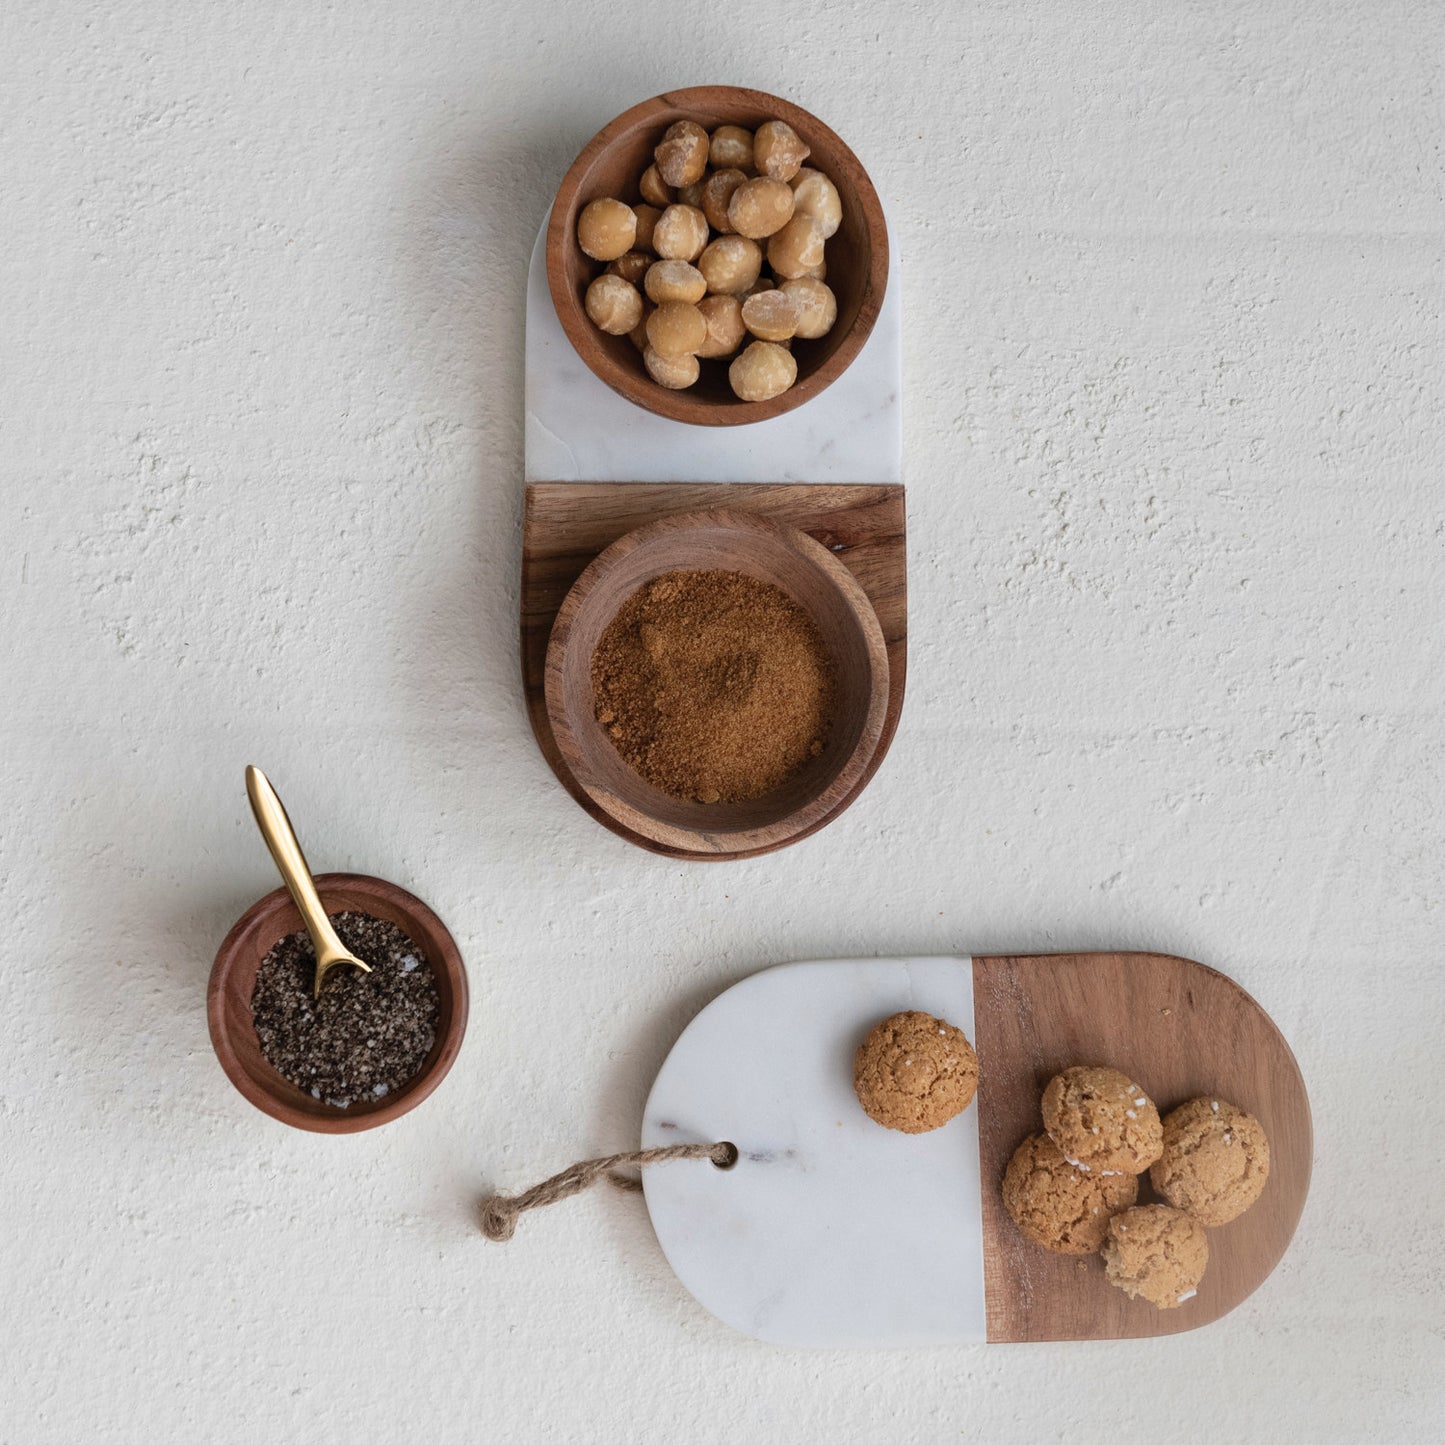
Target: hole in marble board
column 730, row 1159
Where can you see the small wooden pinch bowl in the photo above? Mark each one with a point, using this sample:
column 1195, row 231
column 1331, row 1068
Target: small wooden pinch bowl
column 612, row 163
column 818, row 582
column 233, row 977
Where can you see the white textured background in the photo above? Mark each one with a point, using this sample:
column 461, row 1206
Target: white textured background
column 1172, row 285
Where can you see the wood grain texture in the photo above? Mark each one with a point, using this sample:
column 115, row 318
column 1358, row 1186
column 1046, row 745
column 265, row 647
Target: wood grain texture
column 1179, row 1030
column 731, row 541
column 612, row 163
column 568, row 524
column 233, row 978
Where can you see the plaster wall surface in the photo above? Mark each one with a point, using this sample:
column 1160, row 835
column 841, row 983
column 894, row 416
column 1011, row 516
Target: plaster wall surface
column 1173, row 355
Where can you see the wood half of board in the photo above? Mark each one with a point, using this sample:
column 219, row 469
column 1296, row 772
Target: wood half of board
column 568, row 523
column 1180, row 1030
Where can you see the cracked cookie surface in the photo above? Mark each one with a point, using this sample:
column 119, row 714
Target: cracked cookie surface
column 1102, row 1121
column 1156, row 1253
column 914, row 1072
column 1215, row 1160
column 1059, row 1206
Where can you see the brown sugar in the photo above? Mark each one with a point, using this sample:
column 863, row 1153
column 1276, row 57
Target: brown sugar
column 714, row 686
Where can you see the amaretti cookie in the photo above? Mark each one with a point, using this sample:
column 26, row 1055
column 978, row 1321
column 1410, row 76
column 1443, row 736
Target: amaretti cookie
column 914, row 1072
column 1157, row 1253
column 1215, row 1160
column 1059, row 1206
column 1102, row 1121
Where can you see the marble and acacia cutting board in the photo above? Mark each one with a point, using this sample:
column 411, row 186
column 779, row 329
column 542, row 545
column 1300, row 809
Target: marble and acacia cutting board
column 831, row 1231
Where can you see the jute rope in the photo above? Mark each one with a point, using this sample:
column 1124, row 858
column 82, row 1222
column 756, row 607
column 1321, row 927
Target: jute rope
column 500, row 1211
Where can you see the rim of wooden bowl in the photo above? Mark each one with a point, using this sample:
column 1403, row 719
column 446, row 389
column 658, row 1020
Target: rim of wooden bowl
column 711, row 105
column 646, row 553
column 233, row 976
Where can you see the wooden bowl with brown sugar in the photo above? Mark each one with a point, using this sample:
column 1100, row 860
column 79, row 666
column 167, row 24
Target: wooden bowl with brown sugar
column 233, row 978
column 612, row 163
column 820, row 585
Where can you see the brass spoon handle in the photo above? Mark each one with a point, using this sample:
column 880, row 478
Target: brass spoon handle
column 280, row 838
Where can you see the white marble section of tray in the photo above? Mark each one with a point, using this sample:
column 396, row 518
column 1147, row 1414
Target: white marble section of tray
column 830, row 1231
column 579, row 430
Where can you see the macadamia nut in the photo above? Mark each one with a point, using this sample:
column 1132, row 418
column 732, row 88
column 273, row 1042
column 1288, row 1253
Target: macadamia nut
column 682, row 154
column 796, row 249
column 632, row 267
column 717, row 191
column 759, row 207
column 730, row 264
column 732, row 146
column 725, row 329
column 638, row 335
column 674, row 281
column 681, row 233
column 606, row 229
column 673, row 372
column 778, row 150
column 770, row 315
column 816, row 304
column 647, row 217
column 654, row 190
column 762, row 372
column 676, row 329
column 815, row 196
column 614, row 305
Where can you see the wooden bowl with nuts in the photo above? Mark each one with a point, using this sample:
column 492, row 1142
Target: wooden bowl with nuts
column 816, row 582
column 717, row 255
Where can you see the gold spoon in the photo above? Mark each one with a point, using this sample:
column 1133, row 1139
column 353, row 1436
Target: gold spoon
column 280, row 838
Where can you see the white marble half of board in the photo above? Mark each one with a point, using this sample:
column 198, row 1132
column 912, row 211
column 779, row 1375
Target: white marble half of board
column 579, row 430
column 830, row 1231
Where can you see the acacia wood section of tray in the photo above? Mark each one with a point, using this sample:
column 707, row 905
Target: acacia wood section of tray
column 568, row 524
column 1179, row 1030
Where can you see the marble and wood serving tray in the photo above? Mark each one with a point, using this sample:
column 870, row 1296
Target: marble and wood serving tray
column 831, row 1231
column 597, row 467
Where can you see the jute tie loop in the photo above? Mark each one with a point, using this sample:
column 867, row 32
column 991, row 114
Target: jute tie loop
column 500, row 1211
